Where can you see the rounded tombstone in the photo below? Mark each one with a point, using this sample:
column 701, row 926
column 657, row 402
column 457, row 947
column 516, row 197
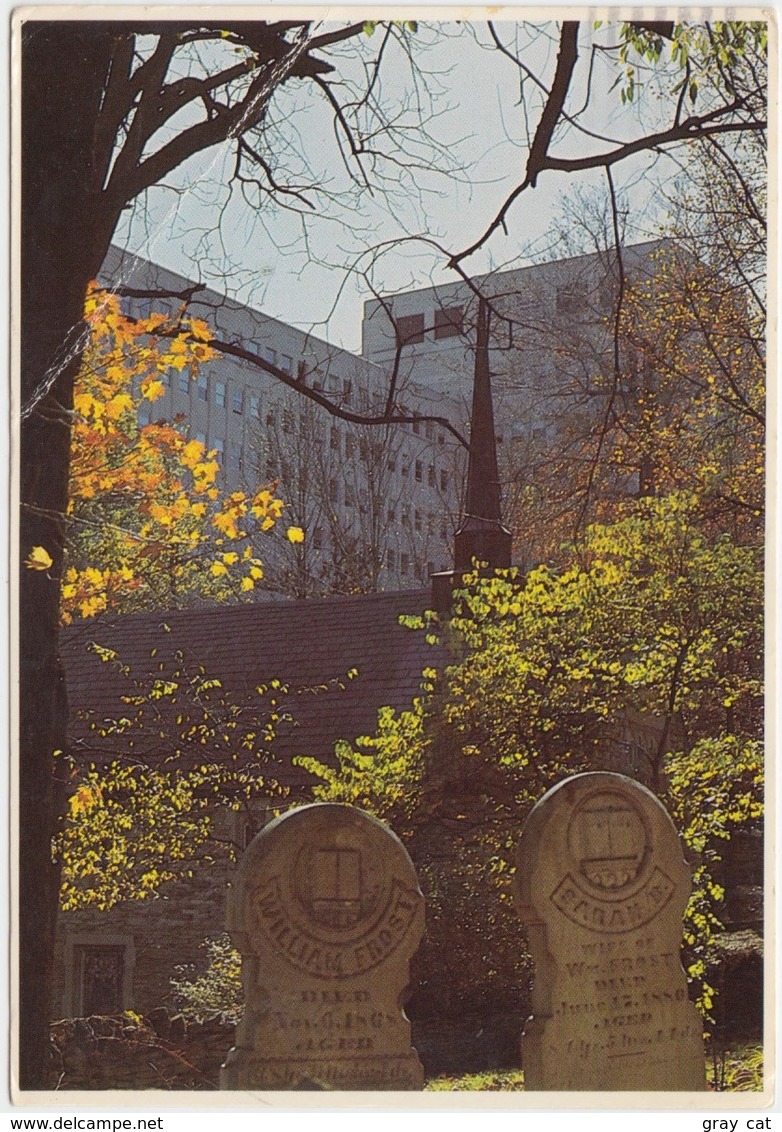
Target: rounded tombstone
column 601, row 886
column 326, row 913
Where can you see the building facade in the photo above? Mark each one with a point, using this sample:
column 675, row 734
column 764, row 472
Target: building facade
column 378, row 504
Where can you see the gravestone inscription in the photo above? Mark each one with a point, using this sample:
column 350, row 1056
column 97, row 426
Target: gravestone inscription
column 601, row 885
column 326, row 913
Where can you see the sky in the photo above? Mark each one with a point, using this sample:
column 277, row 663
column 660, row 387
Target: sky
column 305, row 266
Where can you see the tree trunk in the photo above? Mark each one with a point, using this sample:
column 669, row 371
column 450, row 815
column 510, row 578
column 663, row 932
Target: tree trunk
column 64, row 237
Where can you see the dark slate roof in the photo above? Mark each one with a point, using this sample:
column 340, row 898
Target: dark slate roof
column 302, row 643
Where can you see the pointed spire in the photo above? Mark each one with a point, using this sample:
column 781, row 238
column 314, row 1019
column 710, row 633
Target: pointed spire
column 481, row 534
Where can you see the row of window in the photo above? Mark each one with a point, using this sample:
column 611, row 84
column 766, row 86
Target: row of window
column 418, row 472
column 394, row 560
column 411, row 328
column 281, row 361
column 241, row 400
column 449, row 321
column 406, row 566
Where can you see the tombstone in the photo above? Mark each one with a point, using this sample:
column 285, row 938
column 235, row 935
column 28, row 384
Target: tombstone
column 326, row 913
column 601, row 885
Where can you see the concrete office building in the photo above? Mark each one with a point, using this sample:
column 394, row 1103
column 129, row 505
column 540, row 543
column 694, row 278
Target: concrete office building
column 379, row 505
column 382, row 500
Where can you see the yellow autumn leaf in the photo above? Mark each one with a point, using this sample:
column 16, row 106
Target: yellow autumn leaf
column 192, row 452
column 295, row 534
column 84, row 800
column 38, row 559
column 118, row 405
column 247, row 584
column 200, row 330
column 218, row 569
column 153, row 389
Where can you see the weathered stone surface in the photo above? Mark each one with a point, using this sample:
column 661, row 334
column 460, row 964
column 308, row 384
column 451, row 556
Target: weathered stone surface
column 111, row 1053
column 326, row 913
column 601, row 885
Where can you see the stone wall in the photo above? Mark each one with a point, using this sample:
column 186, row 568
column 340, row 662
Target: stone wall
column 158, row 934
column 130, row 1052
column 159, row 1051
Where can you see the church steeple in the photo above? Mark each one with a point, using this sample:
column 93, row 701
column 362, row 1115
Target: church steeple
column 481, row 534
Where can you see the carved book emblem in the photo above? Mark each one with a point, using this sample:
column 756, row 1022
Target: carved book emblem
column 334, row 896
column 608, row 841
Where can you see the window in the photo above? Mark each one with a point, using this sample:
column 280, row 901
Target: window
column 269, row 418
column 334, row 490
column 430, row 523
column 409, row 329
column 219, row 447
column 418, row 522
column 203, row 388
column 201, row 438
column 183, row 382
column 347, row 387
column 391, row 514
column 430, row 568
column 404, row 563
column 335, row 441
column 390, row 559
column 144, row 415
column 254, row 405
column 363, row 449
column 430, row 430
column 392, row 463
column 568, row 299
column 417, row 427
column 348, row 445
column 317, row 538
column 220, row 394
column 100, row 976
column 441, row 438
column 269, row 355
column 419, row 471
column 237, row 400
column 287, row 420
column 443, row 479
column 430, row 476
column 348, row 496
column 405, row 465
column 405, row 517
column 448, row 322
column 286, row 363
